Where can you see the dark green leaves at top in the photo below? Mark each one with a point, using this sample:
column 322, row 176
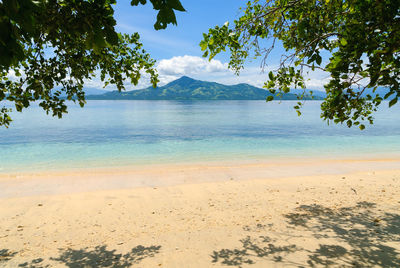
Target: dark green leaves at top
column 17, row 25
column 137, row 2
column 166, row 13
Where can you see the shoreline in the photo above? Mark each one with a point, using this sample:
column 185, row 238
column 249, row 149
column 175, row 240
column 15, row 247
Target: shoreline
column 161, row 175
column 103, row 164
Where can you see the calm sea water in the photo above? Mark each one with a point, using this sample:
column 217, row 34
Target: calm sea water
column 113, row 133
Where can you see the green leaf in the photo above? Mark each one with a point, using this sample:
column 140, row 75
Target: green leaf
column 318, row 59
column 136, row 2
column 392, row 102
column 111, row 36
column 176, row 4
column 164, row 17
column 203, row 45
column 271, row 75
column 387, row 95
column 270, row 98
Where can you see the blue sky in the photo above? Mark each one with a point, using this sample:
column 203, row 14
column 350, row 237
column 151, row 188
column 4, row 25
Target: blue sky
column 177, row 50
column 176, row 40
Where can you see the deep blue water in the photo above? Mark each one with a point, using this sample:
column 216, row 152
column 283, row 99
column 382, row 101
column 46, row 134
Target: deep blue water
column 109, row 133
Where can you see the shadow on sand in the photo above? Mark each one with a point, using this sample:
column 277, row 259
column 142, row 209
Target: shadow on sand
column 6, row 255
column 100, row 256
column 261, row 247
column 366, row 236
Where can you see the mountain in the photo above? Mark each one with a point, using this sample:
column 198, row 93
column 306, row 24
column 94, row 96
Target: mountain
column 186, row 88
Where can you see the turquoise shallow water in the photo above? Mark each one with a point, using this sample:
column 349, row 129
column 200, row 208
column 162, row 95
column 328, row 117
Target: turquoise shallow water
column 118, row 133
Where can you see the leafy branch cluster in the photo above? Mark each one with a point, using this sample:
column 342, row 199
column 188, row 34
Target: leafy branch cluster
column 49, row 48
column 361, row 37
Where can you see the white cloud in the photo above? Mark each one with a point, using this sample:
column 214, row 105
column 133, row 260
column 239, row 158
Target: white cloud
column 317, row 83
column 190, row 65
column 13, row 77
column 213, row 71
column 317, row 79
column 203, row 69
column 175, row 67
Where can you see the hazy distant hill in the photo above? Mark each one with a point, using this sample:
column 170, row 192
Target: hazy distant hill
column 88, row 92
column 94, row 91
column 381, row 91
column 186, row 88
column 316, row 93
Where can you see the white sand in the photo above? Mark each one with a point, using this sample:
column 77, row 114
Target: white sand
column 304, row 213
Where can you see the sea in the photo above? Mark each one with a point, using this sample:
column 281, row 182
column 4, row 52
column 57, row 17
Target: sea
column 126, row 133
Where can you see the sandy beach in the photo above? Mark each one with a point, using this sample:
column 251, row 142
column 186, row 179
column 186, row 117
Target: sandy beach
column 316, row 213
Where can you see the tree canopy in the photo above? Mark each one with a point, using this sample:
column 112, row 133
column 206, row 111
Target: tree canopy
column 50, row 47
column 361, row 37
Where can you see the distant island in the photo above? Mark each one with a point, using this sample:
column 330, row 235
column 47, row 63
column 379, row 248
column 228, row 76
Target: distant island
column 186, row 88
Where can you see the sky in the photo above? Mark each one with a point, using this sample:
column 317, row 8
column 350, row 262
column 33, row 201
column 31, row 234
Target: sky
column 176, row 49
